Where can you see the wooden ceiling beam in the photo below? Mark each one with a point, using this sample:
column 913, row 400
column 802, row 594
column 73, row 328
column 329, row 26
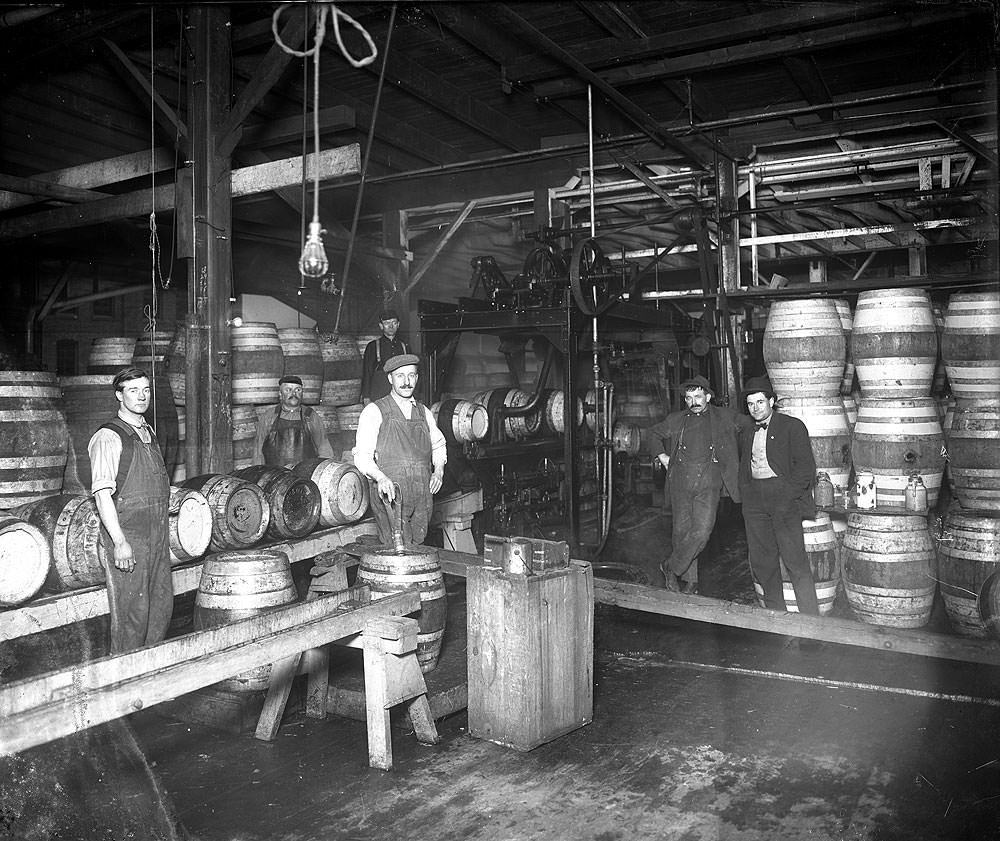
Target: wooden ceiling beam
column 46, row 189
column 506, row 17
column 266, row 74
column 609, row 52
column 276, row 132
column 765, row 48
column 455, row 103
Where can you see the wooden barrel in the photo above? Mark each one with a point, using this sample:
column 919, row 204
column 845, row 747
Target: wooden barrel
column 341, row 370
column 257, row 363
column 974, row 454
column 238, row 585
column 970, row 345
column 968, row 553
column 824, row 561
column 190, row 525
column 362, row 340
column 89, row 402
column 889, row 569
column 240, row 513
column 347, row 417
column 626, row 438
column 294, row 500
column 894, row 343
column 553, row 415
column 33, row 437
column 461, row 421
column 344, row 491
column 151, row 349
column 176, row 365
column 829, row 433
column 72, row 528
column 300, row 349
column 110, row 354
column 519, row 427
column 894, row 438
column 388, row 572
column 180, row 469
column 25, row 558
column 847, row 324
column 804, row 348
column 244, row 435
column 850, row 403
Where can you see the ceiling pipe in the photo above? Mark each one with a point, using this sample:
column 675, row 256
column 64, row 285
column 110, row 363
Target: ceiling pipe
column 25, row 14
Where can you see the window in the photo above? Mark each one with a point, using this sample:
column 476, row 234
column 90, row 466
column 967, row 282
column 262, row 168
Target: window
column 103, row 307
column 66, row 357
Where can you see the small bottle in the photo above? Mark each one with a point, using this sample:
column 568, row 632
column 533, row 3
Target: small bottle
column 823, row 491
column 915, row 495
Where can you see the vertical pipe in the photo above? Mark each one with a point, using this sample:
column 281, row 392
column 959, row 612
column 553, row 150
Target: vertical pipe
column 754, row 280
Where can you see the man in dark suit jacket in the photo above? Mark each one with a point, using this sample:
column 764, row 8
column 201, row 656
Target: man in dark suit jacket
column 697, row 446
column 776, row 475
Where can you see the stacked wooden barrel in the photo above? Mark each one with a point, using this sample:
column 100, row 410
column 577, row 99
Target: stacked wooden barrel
column 341, row 391
column 109, row 354
column 300, row 348
column 150, row 354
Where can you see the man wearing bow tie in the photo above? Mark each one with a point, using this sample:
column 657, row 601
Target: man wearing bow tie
column 776, row 472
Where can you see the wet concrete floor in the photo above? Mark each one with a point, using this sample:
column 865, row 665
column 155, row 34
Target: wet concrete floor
column 700, row 733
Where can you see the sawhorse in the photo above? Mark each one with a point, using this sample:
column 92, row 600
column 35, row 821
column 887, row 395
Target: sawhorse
column 392, row 674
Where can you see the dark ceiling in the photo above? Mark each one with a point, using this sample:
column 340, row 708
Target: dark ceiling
column 489, row 101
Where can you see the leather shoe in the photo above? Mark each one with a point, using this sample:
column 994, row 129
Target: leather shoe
column 671, row 581
column 689, row 587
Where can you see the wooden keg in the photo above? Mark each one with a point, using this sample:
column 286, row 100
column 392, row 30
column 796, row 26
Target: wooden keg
column 239, row 585
column 301, row 351
column 847, row 324
column 180, row 469
column 257, row 363
column 341, row 370
column 176, row 365
column 110, row 354
column 890, row 569
column 151, row 349
column 362, row 340
column 515, row 427
column 850, row 403
column 974, row 454
column 970, row 345
column 89, row 402
column 244, row 435
column 347, row 416
column 25, row 559
column 968, row 553
column 461, row 421
column 73, row 529
column 331, row 424
column 829, row 433
column 344, row 491
column 388, row 572
column 33, row 437
column 824, row 560
column 894, row 343
column 554, row 413
column 190, row 525
column 895, row 438
column 240, row 513
column 626, row 438
column 294, row 500
column 804, row 348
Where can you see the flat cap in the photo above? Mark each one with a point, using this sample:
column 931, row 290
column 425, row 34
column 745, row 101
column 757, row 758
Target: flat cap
column 755, row 384
column 394, row 362
column 388, row 313
column 290, row 378
column 697, row 382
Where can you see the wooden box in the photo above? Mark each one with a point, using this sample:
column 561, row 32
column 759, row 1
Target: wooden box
column 530, row 653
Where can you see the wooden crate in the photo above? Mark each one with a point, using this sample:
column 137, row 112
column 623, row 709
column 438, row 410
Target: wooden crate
column 531, row 654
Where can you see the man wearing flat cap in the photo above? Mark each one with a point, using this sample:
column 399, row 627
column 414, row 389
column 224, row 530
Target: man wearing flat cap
column 777, row 468
column 398, row 443
column 289, row 432
column 698, row 447
column 373, row 382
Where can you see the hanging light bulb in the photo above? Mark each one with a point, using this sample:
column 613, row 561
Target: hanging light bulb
column 313, row 262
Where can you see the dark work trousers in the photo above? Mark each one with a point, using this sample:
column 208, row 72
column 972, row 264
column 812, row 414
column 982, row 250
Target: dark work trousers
column 694, row 499
column 403, row 452
column 774, row 529
column 141, row 601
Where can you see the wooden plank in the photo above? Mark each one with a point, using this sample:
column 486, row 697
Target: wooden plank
column 439, row 245
column 35, row 187
column 260, row 135
column 78, row 605
column 334, row 163
column 48, row 707
column 705, row 609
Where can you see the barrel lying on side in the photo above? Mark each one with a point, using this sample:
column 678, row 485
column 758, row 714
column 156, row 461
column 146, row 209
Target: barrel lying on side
column 73, row 528
column 190, row 526
column 294, row 501
column 344, row 492
column 25, row 558
column 240, row 513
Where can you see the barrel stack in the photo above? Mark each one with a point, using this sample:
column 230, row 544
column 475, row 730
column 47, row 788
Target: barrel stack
column 805, row 352
column 341, row 392
column 890, row 566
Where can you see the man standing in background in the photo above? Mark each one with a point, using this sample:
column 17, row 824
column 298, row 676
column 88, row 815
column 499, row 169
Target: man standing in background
column 698, row 448
column 289, row 432
column 374, row 383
